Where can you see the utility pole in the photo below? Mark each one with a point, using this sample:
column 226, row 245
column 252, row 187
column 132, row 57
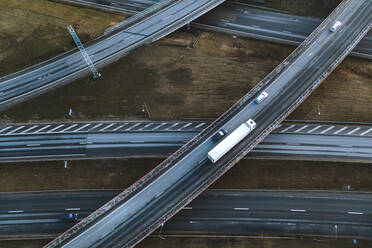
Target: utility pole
column 84, row 53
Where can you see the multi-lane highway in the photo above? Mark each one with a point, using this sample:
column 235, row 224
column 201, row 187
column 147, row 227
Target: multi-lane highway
column 335, row 214
column 243, row 20
column 292, row 140
column 136, row 212
column 103, row 50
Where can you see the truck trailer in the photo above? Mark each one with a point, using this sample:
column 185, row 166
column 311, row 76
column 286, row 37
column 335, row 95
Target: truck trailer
column 231, row 140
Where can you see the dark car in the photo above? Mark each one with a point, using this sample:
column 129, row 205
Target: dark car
column 69, row 217
column 219, row 135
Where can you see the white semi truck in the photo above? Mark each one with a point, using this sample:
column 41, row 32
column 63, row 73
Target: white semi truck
column 231, row 140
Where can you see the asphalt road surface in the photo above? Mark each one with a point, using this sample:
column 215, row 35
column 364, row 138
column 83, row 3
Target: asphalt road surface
column 244, row 20
column 65, row 141
column 103, row 50
column 143, row 207
column 333, row 214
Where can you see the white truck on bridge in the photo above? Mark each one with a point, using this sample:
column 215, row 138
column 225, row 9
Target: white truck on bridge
column 231, row 140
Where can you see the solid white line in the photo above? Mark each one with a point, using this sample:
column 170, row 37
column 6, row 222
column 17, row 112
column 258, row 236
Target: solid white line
column 51, row 130
column 14, row 130
column 72, row 209
column 364, row 133
column 353, row 131
column 68, row 128
column 241, row 209
column 339, row 131
column 315, row 128
column 117, row 128
column 15, row 211
column 29, row 129
column 359, row 213
column 130, row 128
column 108, row 126
column 4, row 129
column 302, row 128
column 286, row 129
column 201, row 124
column 84, row 126
column 43, row 128
column 326, row 130
column 298, row 210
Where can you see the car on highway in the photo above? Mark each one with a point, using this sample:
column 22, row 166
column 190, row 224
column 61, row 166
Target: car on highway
column 70, row 217
column 219, row 135
column 261, row 97
column 335, row 26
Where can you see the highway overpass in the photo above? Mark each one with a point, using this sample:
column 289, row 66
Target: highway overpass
column 243, row 20
column 139, row 210
column 66, row 141
column 226, row 212
column 103, row 50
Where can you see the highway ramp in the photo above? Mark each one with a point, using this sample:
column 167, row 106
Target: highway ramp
column 139, row 210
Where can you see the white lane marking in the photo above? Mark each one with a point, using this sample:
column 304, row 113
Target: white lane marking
column 201, row 124
column 108, row 126
column 339, row 131
column 130, row 128
column 84, row 126
column 286, row 129
column 298, row 210
column 159, row 126
column 4, row 129
column 145, row 126
column 43, row 128
column 72, row 209
column 33, row 127
column 364, row 133
column 175, row 124
column 117, row 128
column 15, row 211
column 187, row 208
column 68, row 128
column 315, row 128
column 33, row 145
column 188, row 124
column 193, row 222
column 15, row 130
column 326, row 130
column 241, row 209
column 98, row 125
column 302, row 128
column 353, row 131
column 51, row 130
column 360, row 213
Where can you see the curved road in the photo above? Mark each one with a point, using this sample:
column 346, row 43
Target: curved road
column 244, row 212
column 136, row 212
column 292, row 140
column 243, row 20
column 103, row 50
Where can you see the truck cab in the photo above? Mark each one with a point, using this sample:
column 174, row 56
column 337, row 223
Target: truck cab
column 219, row 135
column 335, row 26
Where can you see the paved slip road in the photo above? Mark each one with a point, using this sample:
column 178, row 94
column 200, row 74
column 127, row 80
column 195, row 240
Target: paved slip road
column 294, row 140
column 136, row 212
column 244, row 212
column 103, row 50
column 244, row 20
